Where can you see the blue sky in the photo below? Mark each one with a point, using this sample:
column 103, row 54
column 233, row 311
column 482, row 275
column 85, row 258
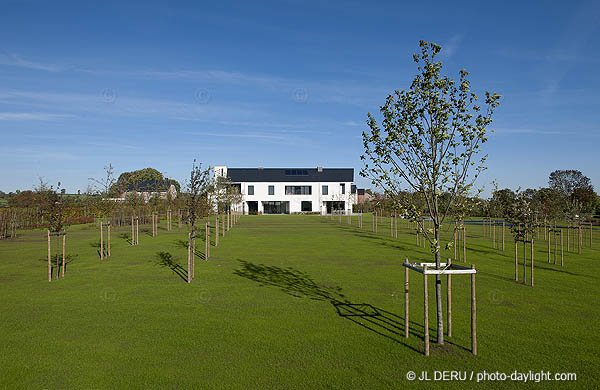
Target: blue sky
column 281, row 84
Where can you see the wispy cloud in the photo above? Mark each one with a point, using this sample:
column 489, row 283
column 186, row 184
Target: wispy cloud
column 33, row 116
column 17, row 61
column 37, row 154
column 450, row 47
column 527, row 131
column 122, row 106
column 240, row 135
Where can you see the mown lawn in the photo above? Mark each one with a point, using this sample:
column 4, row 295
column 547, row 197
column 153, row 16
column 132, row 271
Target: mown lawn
column 299, row 302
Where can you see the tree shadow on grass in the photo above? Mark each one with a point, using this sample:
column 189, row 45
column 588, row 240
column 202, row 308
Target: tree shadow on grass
column 69, row 259
column 96, row 244
column 183, row 244
column 126, row 237
column 165, row 259
column 299, row 284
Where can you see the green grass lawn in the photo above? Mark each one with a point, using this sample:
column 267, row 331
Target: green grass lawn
column 300, row 302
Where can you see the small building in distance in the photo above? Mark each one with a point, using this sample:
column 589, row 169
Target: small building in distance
column 146, row 189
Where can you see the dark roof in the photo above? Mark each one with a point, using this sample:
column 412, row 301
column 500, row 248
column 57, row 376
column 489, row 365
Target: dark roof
column 149, row 186
column 239, row 175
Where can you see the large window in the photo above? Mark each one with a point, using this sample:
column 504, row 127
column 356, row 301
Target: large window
column 325, row 190
column 306, row 205
column 271, row 190
column 276, row 207
column 298, row 190
column 343, row 187
column 250, row 190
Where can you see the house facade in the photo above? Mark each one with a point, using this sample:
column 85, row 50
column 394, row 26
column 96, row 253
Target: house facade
column 148, row 188
column 293, row 190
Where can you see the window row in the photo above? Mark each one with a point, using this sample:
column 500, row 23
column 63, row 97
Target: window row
column 299, row 190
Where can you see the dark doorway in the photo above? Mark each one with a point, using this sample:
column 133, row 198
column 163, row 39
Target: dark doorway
column 252, row 208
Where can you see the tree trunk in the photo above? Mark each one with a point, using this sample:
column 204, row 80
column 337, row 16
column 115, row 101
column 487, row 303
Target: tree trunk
column 438, row 287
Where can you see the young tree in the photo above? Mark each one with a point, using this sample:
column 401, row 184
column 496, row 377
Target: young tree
column 429, row 139
column 197, row 197
column 102, row 189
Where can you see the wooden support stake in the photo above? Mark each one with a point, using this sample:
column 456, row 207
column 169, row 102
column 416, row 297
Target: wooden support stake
column 525, row 259
column 63, row 255
column 449, row 300
column 532, row 245
column 101, row 242
column 455, row 243
column 189, row 259
column 561, row 248
column 207, row 241
column 108, row 233
column 406, row 301
column 49, row 260
column 217, row 230
column 464, row 243
column 473, row 314
column 503, row 224
column 194, row 255
column 516, row 260
column 579, row 241
column 426, row 310
column 548, row 248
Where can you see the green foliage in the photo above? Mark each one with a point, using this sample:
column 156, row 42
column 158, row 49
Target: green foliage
column 575, row 190
column 429, row 140
column 24, row 199
column 141, row 175
column 55, row 208
column 198, row 194
column 521, row 216
column 226, row 193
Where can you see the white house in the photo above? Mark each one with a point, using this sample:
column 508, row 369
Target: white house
column 293, row 190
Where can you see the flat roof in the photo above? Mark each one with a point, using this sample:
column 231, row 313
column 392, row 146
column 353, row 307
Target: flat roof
column 240, row 175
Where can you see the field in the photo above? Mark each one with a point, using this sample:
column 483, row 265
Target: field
column 300, row 302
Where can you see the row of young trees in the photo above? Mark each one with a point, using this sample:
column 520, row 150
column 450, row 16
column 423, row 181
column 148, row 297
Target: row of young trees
column 49, row 206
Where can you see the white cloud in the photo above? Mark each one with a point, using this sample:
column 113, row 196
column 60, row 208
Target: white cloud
column 450, row 47
column 33, row 116
column 14, row 60
column 526, row 131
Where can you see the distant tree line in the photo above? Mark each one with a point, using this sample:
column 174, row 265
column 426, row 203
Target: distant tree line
column 568, row 196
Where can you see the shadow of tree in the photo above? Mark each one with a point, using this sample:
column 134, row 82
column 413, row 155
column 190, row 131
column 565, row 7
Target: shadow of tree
column 183, row 244
column 165, row 259
column 299, row 284
column 125, row 237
